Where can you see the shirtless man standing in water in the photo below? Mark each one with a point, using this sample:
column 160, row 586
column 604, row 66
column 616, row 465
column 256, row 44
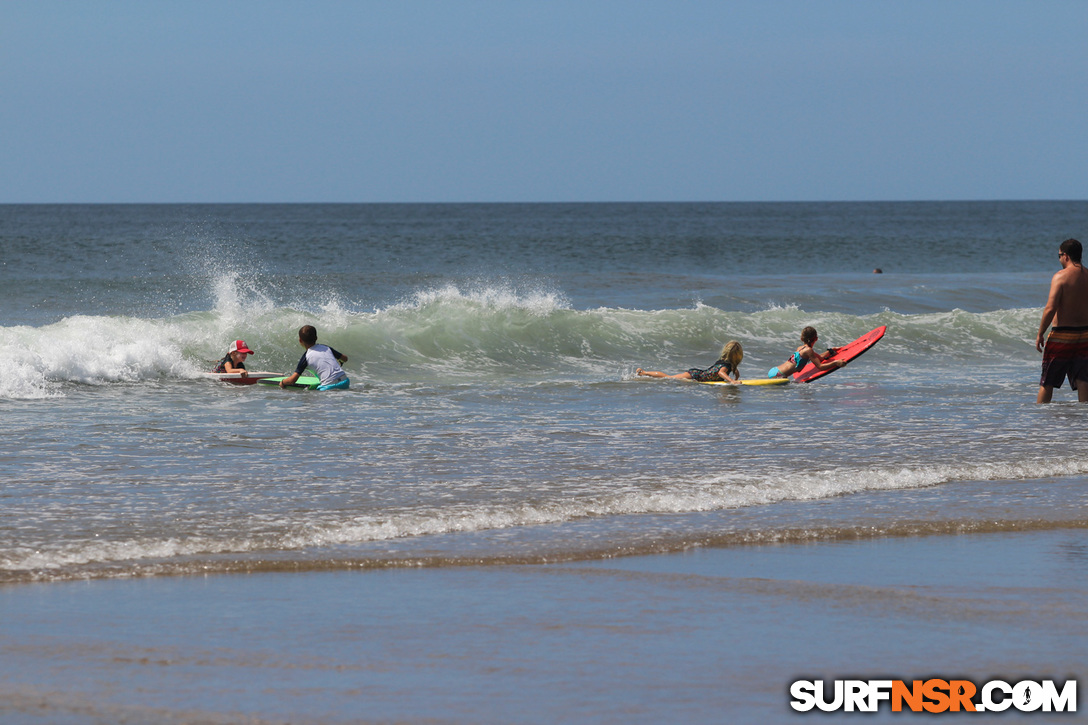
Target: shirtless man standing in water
column 1066, row 352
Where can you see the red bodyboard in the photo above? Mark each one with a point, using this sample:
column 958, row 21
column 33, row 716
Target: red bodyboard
column 847, row 352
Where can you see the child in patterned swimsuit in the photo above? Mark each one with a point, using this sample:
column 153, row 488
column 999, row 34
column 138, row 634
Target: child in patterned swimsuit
column 727, row 364
column 805, row 354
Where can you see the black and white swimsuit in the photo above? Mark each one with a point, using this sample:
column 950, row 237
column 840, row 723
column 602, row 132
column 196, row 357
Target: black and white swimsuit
column 711, row 373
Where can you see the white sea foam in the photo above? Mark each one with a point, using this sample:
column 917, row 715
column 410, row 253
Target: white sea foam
column 490, row 330
column 90, row 350
column 487, row 297
column 714, row 493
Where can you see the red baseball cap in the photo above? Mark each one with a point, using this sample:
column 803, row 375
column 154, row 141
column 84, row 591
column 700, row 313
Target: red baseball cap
column 240, row 346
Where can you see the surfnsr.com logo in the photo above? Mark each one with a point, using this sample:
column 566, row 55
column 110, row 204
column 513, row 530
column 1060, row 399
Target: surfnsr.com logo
column 934, row 695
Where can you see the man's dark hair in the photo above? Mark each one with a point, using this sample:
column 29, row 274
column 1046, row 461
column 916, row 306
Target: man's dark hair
column 1072, row 249
column 307, row 335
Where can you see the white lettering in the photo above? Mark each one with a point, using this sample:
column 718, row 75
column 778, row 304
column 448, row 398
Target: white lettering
column 988, row 699
column 878, row 690
column 856, row 695
column 803, row 693
column 1027, row 696
column 1066, row 701
column 835, row 704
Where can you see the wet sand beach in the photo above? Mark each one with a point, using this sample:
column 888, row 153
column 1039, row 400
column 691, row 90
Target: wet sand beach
column 708, row 635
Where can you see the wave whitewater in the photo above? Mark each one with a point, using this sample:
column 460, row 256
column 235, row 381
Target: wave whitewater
column 333, row 544
column 490, row 333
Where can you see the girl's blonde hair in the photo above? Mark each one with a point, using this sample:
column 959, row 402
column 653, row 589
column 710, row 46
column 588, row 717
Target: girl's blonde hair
column 732, row 353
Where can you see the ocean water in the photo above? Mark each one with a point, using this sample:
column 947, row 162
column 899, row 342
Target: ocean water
column 494, row 415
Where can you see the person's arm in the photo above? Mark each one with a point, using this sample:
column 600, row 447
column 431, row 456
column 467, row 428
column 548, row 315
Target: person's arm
column 821, row 362
column 1049, row 312
column 827, row 359
column 299, row 369
column 340, row 357
column 230, row 367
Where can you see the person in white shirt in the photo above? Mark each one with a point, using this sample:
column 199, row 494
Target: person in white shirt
column 324, row 360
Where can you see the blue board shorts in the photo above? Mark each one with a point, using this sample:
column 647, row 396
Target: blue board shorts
column 341, row 384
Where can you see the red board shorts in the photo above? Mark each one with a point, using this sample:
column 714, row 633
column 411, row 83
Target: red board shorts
column 1065, row 356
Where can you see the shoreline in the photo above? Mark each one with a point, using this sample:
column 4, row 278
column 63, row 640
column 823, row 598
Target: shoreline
column 994, row 506
column 693, row 636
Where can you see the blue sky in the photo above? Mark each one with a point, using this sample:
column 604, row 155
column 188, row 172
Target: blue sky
column 588, row 100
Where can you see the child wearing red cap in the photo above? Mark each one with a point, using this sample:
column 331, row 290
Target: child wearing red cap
column 235, row 360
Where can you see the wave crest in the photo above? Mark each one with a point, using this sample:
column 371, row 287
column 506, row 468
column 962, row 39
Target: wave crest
column 487, row 332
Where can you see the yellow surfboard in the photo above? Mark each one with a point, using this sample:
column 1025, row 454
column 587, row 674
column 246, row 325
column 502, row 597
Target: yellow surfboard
column 751, row 381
